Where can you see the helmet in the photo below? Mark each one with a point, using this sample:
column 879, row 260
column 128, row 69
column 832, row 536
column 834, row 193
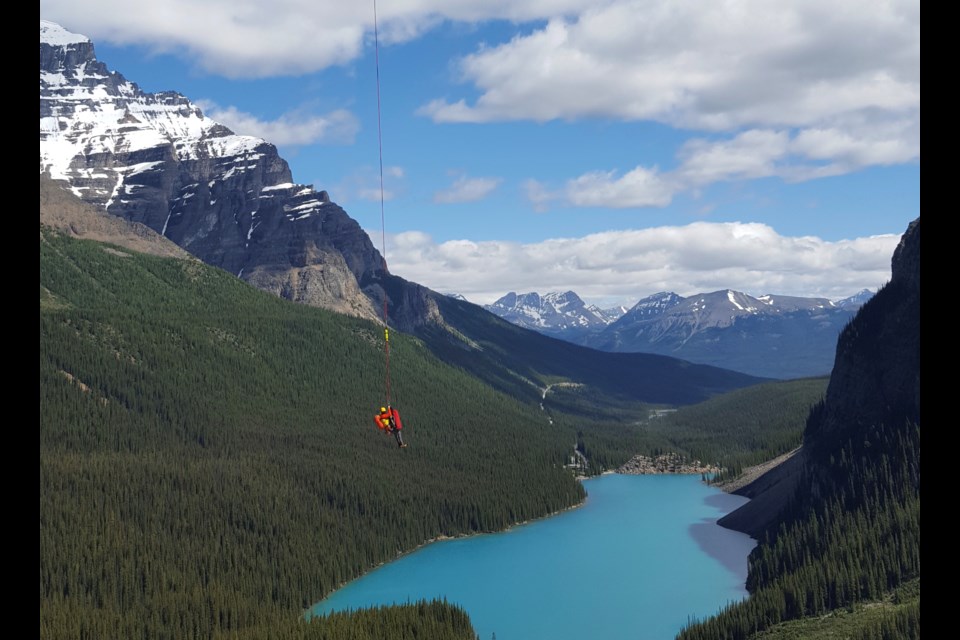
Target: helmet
column 383, row 409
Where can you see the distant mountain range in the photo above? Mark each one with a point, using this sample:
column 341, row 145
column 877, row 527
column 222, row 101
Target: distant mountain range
column 771, row 335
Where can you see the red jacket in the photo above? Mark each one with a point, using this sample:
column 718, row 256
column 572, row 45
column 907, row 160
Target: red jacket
column 384, row 419
column 396, row 418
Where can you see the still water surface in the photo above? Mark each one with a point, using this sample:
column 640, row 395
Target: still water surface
column 640, row 558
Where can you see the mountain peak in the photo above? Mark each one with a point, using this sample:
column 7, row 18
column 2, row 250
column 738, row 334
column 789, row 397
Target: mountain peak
column 53, row 34
column 552, row 313
column 856, row 300
column 230, row 200
column 654, row 304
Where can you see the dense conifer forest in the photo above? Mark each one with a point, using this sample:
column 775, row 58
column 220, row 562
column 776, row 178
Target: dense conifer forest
column 209, row 463
column 851, row 536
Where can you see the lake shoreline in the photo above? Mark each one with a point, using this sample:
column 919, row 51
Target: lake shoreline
column 750, row 474
column 441, row 538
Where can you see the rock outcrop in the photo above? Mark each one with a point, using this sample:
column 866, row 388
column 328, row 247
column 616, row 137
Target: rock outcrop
column 671, row 463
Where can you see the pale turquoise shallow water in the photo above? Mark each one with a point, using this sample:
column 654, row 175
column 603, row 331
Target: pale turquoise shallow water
column 637, row 560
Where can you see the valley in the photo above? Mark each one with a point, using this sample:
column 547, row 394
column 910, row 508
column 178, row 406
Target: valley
column 212, row 352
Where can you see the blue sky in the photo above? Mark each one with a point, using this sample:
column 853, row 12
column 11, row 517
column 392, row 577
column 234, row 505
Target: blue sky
column 615, row 148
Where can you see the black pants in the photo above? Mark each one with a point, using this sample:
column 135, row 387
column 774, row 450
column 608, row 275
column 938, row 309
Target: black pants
column 398, row 436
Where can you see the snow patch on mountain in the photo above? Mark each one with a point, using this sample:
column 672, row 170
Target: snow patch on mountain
column 88, row 111
column 855, row 301
column 552, row 313
column 52, row 33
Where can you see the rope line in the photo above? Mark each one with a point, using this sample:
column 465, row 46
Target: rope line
column 383, row 224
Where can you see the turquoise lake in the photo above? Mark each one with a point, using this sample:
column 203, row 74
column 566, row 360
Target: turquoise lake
column 640, row 558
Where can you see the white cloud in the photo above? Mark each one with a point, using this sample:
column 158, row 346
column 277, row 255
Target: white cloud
column 373, row 194
column 716, row 66
column 800, row 89
column 628, row 265
column 755, row 153
column 295, row 128
column 752, row 154
column 235, row 38
column 250, row 38
column 637, row 188
column 538, row 195
column 807, row 88
column 859, row 143
column 363, row 179
column 466, row 189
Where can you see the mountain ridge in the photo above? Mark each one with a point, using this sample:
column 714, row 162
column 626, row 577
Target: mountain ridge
column 558, row 314
column 770, row 335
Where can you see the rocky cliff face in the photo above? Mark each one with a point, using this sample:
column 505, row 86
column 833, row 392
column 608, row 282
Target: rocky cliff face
column 876, row 379
column 875, row 382
column 230, row 200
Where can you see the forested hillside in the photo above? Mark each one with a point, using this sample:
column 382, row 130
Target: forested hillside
column 208, row 459
column 850, row 532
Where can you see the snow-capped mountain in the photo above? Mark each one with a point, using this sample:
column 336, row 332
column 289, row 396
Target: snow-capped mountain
column 230, row 200
column 651, row 306
column 667, row 314
column 156, row 159
column 559, row 314
column 770, row 335
column 855, row 301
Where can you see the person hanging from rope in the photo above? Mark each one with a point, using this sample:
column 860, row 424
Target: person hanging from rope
column 388, row 421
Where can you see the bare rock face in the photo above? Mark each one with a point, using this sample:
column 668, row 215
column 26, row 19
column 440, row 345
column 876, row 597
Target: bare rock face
column 409, row 305
column 325, row 283
column 63, row 211
column 228, row 199
column 876, row 379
